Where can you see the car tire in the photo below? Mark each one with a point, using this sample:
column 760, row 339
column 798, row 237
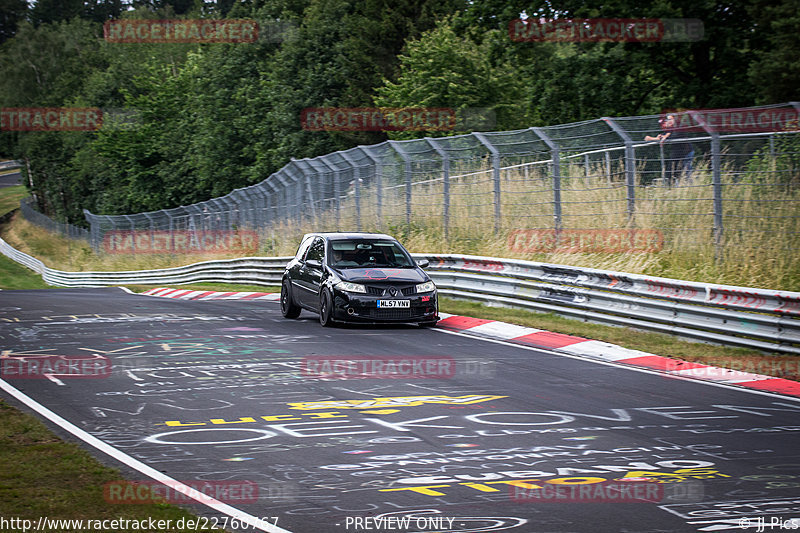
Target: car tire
column 288, row 308
column 430, row 324
column 325, row 309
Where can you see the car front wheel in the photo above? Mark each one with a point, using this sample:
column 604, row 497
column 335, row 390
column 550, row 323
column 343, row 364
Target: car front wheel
column 288, row 307
column 325, row 309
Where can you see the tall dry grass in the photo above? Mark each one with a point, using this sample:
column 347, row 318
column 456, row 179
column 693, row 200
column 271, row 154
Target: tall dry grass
column 758, row 247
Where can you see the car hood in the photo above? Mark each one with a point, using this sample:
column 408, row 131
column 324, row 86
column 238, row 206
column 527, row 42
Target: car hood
column 374, row 274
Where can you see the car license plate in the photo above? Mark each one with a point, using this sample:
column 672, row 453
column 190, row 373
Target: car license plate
column 383, row 304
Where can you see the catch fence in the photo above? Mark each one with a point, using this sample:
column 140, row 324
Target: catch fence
column 708, row 189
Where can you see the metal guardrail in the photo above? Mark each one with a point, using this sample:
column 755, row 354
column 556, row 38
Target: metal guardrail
column 246, row 270
column 5, row 165
column 738, row 316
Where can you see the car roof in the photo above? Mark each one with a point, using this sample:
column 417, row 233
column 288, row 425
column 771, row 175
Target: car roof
column 348, row 235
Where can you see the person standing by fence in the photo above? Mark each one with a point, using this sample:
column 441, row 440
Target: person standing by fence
column 680, row 151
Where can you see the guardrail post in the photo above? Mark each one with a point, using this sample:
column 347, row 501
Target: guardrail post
column 446, row 183
column 496, row 176
column 555, row 155
column 630, row 165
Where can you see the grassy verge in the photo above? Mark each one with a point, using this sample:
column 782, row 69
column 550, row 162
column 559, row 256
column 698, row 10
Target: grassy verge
column 43, row 476
column 10, row 197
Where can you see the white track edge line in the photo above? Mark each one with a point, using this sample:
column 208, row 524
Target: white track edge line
column 627, row 366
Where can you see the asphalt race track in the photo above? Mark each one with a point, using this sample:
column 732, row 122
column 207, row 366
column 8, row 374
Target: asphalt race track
column 10, row 180
column 398, row 428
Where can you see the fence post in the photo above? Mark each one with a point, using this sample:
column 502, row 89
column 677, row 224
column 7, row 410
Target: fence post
column 446, row 186
column 356, row 186
column 149, row 218
column 378, row 183
column 717, row 185
column 716, row 182
column 133, row 233
column 284, row 199
column 271, row 204
column 94, row 229
column 407, row 171
column 304, row 183
column 336, row 192
column 496, row 176
column 555, row 155
column 630, row 165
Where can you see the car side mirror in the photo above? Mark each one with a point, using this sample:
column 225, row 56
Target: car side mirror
column 423, row 263
column 313, row 263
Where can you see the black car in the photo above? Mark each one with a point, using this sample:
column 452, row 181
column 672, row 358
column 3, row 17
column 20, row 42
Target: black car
column 358, row 277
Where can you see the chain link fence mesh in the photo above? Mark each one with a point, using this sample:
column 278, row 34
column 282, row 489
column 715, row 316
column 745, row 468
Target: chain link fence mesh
column 712, row 191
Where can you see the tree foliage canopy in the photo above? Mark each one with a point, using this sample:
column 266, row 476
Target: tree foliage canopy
column 199, row 120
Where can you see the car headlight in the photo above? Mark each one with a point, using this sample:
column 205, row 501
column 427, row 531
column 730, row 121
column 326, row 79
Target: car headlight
column 351, row 287
column 428, row 286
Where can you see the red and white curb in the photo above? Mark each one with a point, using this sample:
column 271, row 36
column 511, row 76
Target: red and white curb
column 182, row 294
column 556, row 342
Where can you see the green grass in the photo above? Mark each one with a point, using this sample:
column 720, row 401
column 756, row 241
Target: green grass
column 10, row 197
column 15, row 276
column 45, row 476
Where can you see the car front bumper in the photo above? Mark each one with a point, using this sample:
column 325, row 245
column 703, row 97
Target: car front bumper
column 355, row 307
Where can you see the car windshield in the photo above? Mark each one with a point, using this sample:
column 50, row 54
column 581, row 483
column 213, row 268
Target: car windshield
column 360, row 253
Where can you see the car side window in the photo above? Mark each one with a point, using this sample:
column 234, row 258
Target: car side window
column 301, row 252
column 317, row 250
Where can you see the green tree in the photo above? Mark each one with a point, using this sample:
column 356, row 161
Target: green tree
column 444, row 69
column 775, row 71
column 12, row 12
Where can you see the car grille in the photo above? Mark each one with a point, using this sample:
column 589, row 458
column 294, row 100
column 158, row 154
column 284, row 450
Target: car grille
column 396, row 314
column 381, row 291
